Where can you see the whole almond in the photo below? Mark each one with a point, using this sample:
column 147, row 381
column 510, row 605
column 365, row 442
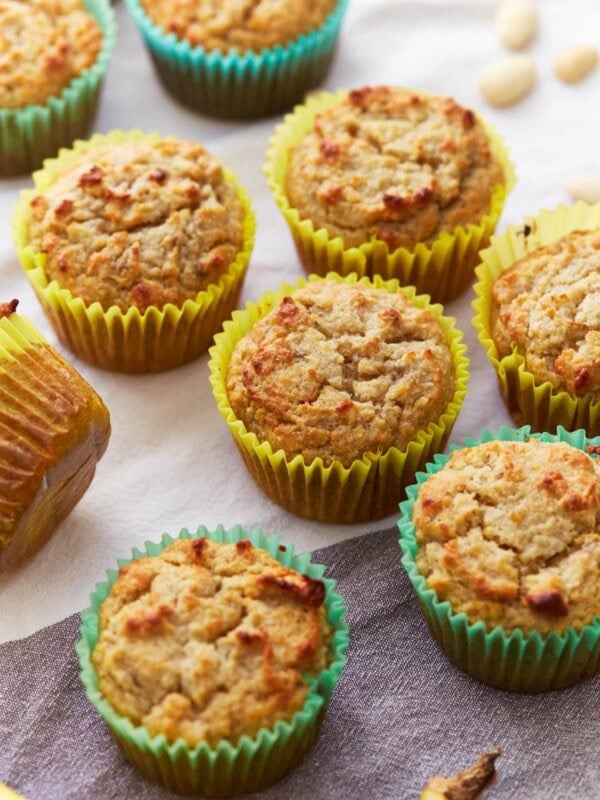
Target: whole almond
column 505, row 82
column 574, row 63
column 585, row 187
column 516, row 22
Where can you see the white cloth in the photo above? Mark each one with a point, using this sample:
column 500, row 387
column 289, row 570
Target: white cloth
column 170, row 462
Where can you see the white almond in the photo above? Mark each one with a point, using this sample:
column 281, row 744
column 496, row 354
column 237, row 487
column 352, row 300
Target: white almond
column 585, row 187
column 508, row 80
column 574, row 63
column 516, row 22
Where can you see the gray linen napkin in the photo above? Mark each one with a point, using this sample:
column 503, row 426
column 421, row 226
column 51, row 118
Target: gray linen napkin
column 401, row 712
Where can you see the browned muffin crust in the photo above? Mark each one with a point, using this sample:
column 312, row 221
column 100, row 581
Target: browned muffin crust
column 548, row 306
column 140, row 223
column 509, row 533
column 393, row 164
column 210, row 641
column 241, row 24
column 44, row 44
column 339, row 370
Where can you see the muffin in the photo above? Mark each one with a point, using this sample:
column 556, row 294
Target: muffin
column 504, row 537
column 335, row 391
column 539, row 318
column 236, row 60
column 386, row 180
column 142, row 243
column 53, row 58
column 212, row 659
column 53, row 430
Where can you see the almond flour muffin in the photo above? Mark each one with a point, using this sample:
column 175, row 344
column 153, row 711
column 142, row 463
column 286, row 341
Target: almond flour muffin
column 44, row 44
column 54, row 428
column 53, row 58
column 336, row 392
column 129, row 230
column 212, row 658
column 237, row 59
column 397, row 174
column 537, row 314
column 547, row 306
column 501, row 542
column 337, row 371
column 225, row 25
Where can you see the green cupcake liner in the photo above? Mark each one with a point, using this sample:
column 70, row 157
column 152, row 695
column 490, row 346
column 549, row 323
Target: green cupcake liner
column 226, row 769
column 237, row 85
column 517, row 661
column 31, row 134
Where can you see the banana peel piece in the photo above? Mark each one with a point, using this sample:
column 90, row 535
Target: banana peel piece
column 467, row 785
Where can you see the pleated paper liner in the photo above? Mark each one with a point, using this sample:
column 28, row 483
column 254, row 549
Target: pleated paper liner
column 515, row 661
column 53, row 430
column 227, row 769
column 130, row 341
column 535, row 404
column 29, row 135
column 240, row 85
column 372, row 486
column 442, row 270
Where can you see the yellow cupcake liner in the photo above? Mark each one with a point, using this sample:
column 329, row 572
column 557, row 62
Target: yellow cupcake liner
column 371, row 487
column 535, row 404
column 443, row 270
column 130, row 341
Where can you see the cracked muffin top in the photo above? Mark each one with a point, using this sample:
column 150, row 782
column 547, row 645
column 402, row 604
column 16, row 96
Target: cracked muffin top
column 337, row 370
column 210, row 641
column 44, row 44
column 241, row 24
column 392, row 164
column 509, row 533
column 548, row 306
column 140, row 223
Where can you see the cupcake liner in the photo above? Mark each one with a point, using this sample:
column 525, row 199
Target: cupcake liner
column 237, row 85
column 130, row 341
column 29, row 135
column 539, row 405
column 53, row 430
column 443, row 270
column 517, row 661
column 369, row 488
column 226, row 769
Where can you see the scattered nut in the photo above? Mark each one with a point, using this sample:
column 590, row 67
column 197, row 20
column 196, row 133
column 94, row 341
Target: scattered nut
column 574, row 63
column 585, row 187
column 467, row 785
column 505, row 82
column 516, row 23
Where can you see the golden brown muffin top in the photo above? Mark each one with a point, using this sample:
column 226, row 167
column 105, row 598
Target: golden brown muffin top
column 140, row 223
column 509, row 533
column 340, row 370
column 44, row 44
column 393, row 164
column 241, row 24
column 210, row 641
column 548, row 306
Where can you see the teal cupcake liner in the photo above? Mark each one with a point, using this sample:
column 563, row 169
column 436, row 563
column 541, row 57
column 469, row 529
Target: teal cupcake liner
column 237, row 85
column 517, row 661
column 226, row 769
column 31, row 134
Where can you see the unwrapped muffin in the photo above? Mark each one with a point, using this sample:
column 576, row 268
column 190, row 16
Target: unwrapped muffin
column 502, row 543
column 239, row 60
column 142, row 243
column 53, row 58
column 212, row 659
column 339, row 393
column 386, row 180
column 538, row 316
column 53, row 430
